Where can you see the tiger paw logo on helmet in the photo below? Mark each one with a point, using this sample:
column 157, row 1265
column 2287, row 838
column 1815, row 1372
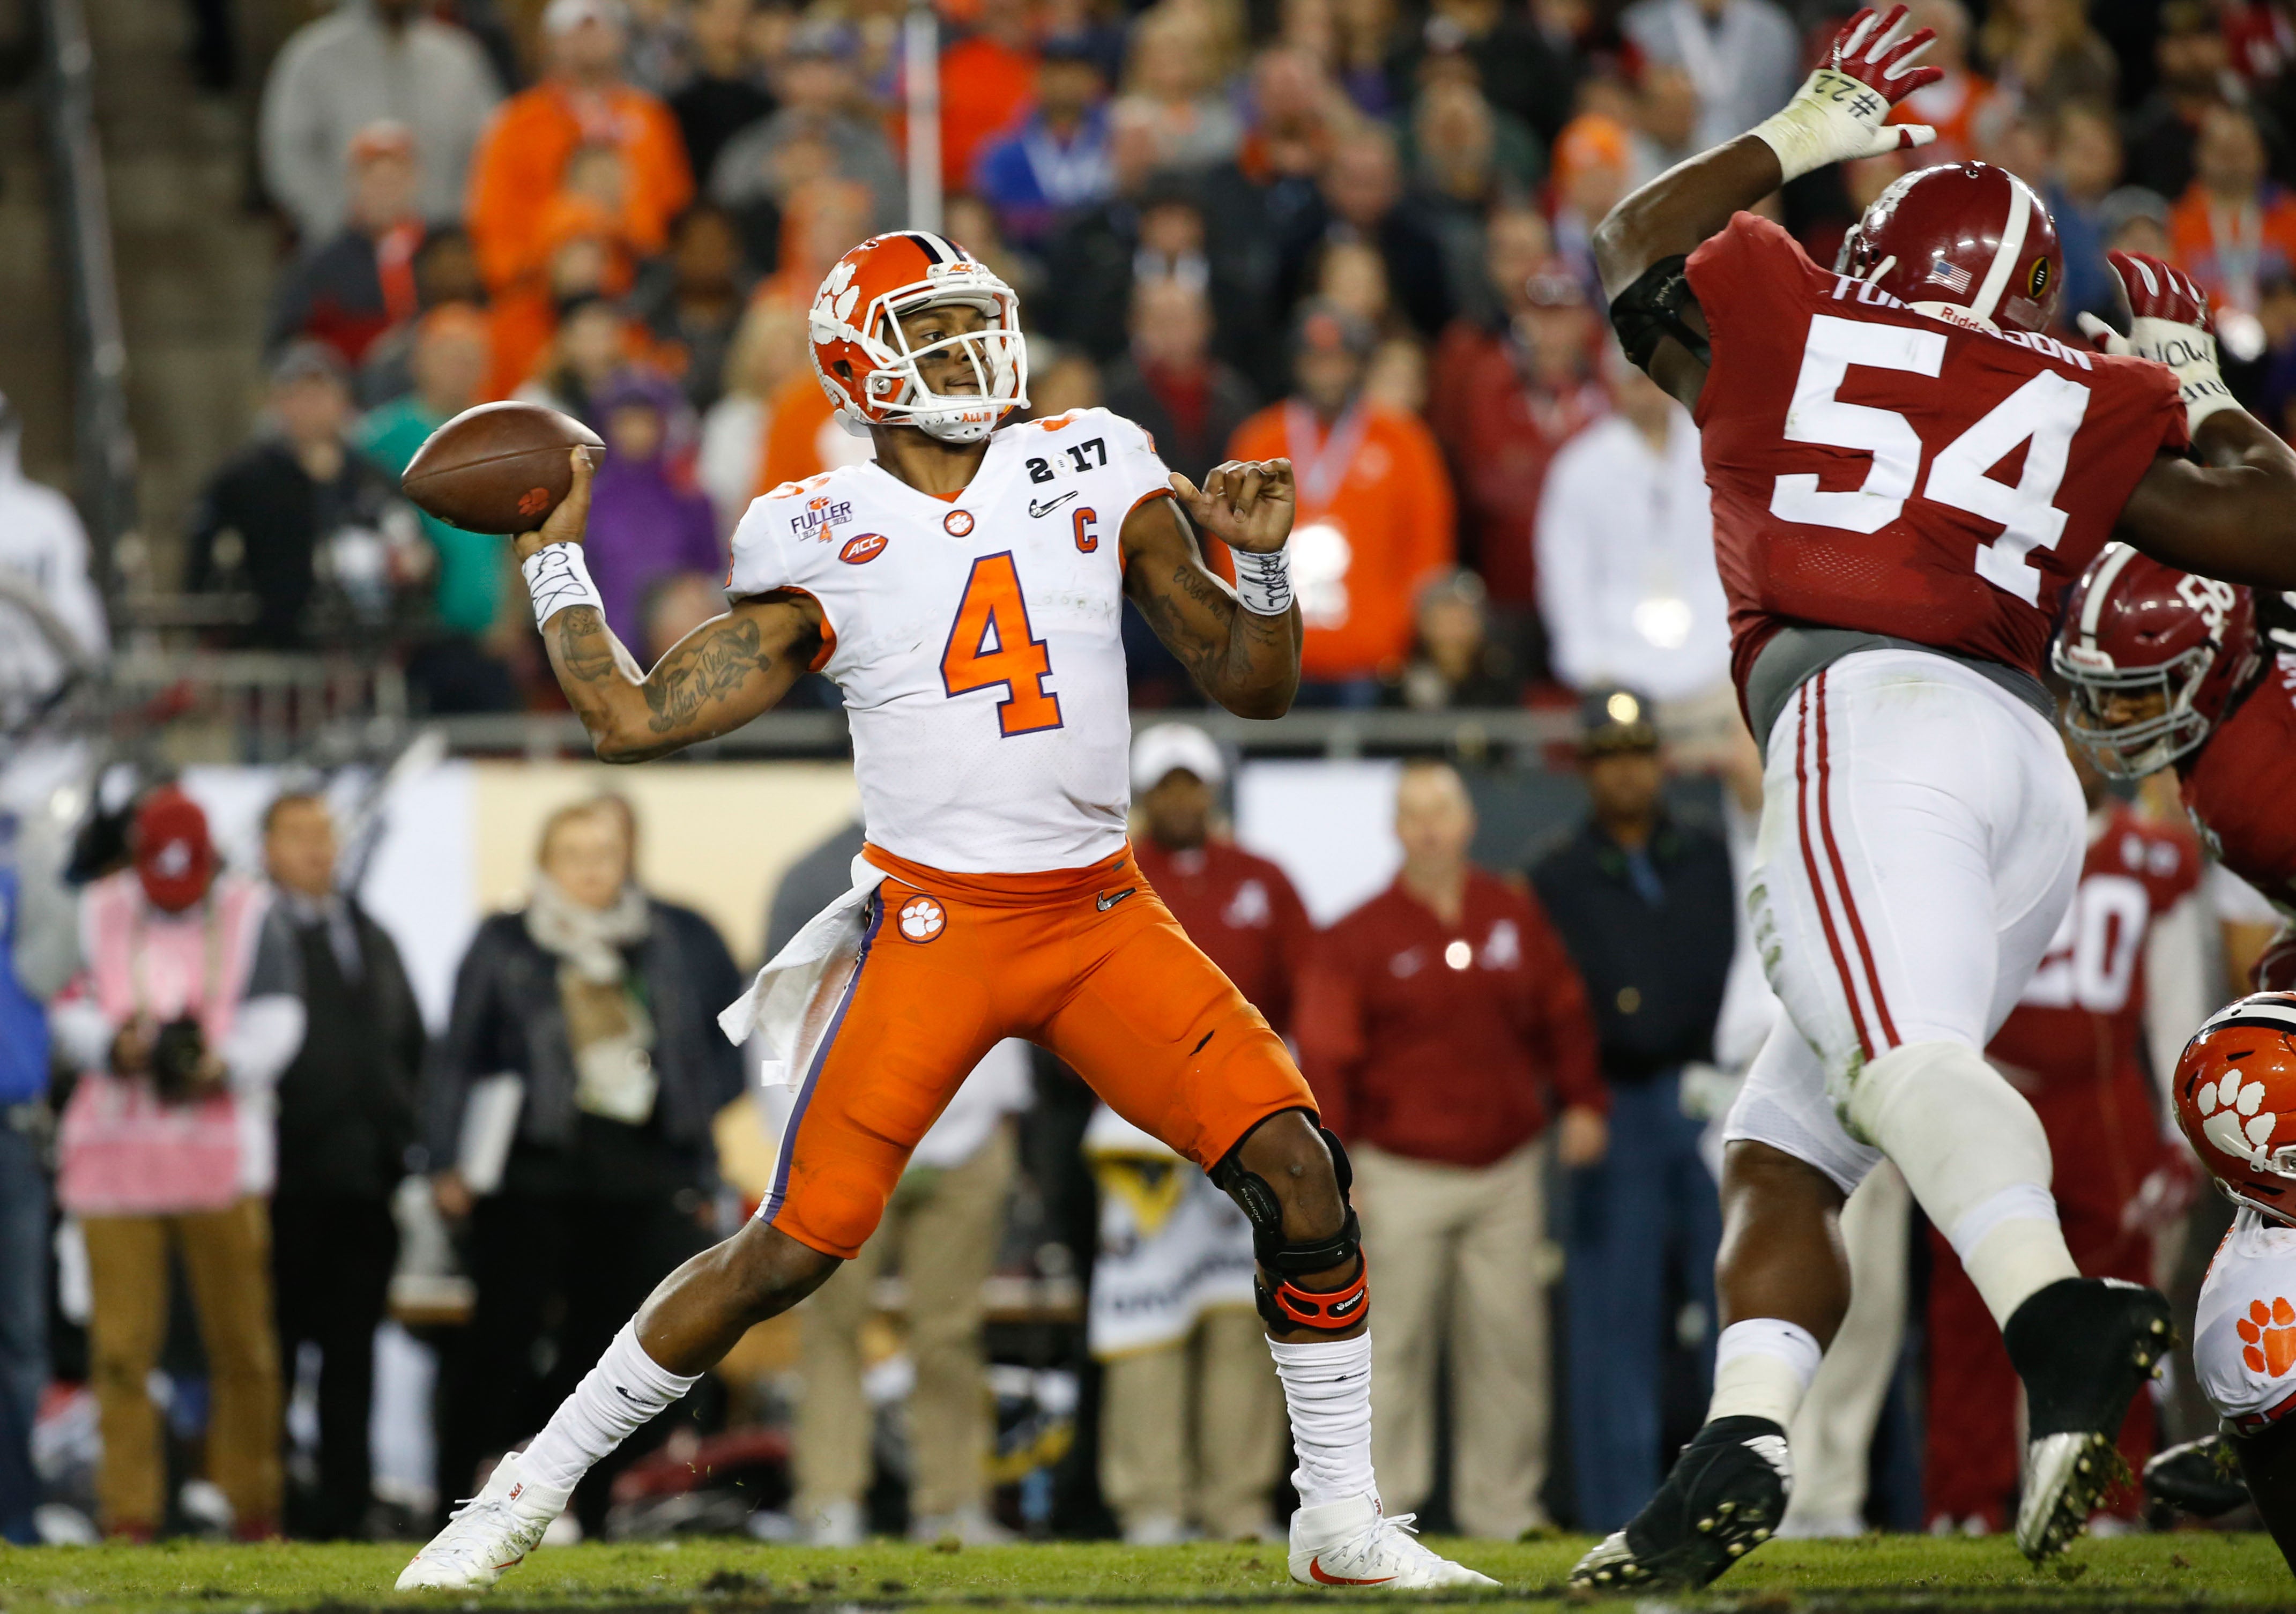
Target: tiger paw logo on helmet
column 921, row 919
column 2232, row 1116
column 2235, row 1081
column 862, row 354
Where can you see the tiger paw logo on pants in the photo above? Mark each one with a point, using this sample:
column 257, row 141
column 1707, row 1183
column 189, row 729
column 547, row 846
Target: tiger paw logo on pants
column 2269, row 1336
column 921, row 919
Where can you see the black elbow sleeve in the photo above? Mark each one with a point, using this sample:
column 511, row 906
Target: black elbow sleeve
column 1652, row 308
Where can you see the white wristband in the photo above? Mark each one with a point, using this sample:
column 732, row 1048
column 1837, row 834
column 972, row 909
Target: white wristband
column 1831, row 119
column 557, row 577
column 1263, row 581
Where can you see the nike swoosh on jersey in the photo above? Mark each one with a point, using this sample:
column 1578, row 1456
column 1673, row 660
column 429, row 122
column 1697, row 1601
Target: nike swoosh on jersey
column 1108, row 902
column 1316, row 1572
column 1050, row 505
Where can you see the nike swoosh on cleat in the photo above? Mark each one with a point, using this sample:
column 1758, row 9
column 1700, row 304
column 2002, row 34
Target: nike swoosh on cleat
column 1107, row 902
column 1316, row 1572
column 1050, row 505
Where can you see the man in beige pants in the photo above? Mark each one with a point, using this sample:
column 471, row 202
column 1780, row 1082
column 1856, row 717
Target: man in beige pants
column 940, row 1234
column 1432, row 1021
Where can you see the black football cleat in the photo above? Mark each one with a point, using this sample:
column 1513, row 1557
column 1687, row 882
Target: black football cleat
column 1725, row 1498
column 2201, row 1477
column 2083, row 1347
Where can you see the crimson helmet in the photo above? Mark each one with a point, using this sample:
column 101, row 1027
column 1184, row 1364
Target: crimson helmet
column 863, row 358
column 1966, row 241
column 2235, row 1098
column 2133, row 628
column 175, row 856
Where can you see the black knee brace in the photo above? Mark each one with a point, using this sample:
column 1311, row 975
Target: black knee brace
column 1287, row 1305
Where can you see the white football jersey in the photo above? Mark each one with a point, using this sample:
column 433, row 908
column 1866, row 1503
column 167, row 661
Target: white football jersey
column 978, row 640
column 2245, row 1331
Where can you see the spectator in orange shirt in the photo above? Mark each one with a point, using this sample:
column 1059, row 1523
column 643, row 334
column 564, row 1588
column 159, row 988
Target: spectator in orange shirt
column 987, row 82
column 582, row 247
column 521, row 160
column 2234, row 230
column 1375, row 518
column 1962, row 105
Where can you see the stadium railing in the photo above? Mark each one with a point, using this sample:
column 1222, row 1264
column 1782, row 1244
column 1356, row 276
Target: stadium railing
column 103, row 444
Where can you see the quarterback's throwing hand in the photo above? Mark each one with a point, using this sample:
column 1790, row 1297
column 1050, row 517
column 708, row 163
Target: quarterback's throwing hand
column 1245, row 503
column 565, row 524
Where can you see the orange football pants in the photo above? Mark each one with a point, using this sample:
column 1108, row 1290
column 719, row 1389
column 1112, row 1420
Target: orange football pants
column 1087, row 964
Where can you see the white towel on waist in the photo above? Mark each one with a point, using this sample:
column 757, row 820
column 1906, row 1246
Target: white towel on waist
column 788, row 1007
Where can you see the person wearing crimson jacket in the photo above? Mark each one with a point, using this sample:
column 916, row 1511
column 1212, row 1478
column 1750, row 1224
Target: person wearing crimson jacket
column 1434, row 1022
column 2071, row 1046
column 1238, row 908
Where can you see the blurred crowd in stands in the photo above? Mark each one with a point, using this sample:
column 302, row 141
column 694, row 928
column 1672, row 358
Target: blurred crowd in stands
column 1354, row 230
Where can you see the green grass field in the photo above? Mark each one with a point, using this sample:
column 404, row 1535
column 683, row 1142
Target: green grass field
column 2210, row 1572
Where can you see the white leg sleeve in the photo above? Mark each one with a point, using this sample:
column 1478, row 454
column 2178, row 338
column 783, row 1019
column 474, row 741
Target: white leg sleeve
column 1974, row 1154
column 1762, row 1369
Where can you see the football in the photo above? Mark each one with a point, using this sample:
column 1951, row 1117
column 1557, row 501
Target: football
column 498, row 467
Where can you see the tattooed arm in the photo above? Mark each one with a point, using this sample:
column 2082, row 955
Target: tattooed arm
column 1247, row 662
column 709, row 683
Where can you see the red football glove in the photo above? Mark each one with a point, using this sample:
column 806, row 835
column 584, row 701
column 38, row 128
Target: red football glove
column 1870, row 53
column 1841, row 111
column 2168, row 325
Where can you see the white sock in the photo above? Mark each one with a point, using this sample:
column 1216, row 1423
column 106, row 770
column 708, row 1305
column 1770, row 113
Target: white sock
column 623, row 1392
column 1974, row 1154
column 1327, row 1391
column 1762, row 1369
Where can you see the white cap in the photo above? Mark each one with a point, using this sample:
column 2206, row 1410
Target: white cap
column 1157, row 751
column 565, row 16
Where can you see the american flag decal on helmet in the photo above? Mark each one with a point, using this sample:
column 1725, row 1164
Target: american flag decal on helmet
column 1953, row 277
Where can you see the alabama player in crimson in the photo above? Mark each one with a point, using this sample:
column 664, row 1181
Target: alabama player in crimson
column 965, row 589
column 2074, row 1047
column 1907, row 470
column 2168, row 670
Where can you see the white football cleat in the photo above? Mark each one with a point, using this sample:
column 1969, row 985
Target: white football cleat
column 1353, row 1543
column 487, row 1534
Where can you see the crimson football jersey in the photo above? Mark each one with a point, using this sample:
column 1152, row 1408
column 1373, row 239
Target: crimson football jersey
column 2241, row 787
column 1876, row 469
column 2080, row 1017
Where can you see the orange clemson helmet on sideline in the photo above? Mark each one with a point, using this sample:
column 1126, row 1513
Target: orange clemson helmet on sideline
column 2235, row 1100
column 863, row 356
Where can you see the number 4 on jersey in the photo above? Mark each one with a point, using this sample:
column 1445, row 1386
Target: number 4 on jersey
column 2046, row 410
column 991, row 644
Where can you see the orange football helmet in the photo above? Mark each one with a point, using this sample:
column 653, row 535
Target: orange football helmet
column 2235, row 1098
column 863, row 356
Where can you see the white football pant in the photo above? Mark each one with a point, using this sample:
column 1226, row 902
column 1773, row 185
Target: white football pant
column 1922, row 837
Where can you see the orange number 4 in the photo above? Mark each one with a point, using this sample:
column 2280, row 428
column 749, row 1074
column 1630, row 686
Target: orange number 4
column 991, row 643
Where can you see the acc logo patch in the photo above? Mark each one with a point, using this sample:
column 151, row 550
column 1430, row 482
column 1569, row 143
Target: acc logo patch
column 957, row 523
column 922, row 919
column 867, row 546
